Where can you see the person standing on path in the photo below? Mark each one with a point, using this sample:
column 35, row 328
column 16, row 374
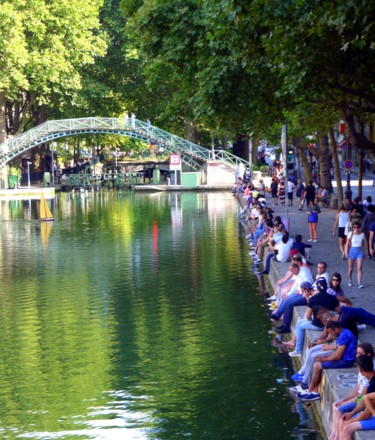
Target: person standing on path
column 126, row 120
column 309, row 194
column 355, row 250
column 367, row 221
column 342, row 219
column 300, row 193
column 312, row 212
column 133, row 121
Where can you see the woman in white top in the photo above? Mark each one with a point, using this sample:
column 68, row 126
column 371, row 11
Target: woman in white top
column 342, row 218
column 355, row 250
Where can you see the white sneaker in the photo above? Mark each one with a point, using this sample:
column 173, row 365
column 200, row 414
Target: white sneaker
column 295, row 354
column 297, row 389
column 310, row 239
column 350, row 283
column 314, row 241
column 271, row 298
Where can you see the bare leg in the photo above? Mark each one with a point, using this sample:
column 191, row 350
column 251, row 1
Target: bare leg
column 292, row 342
column 359, row 270
column 311, row 230
column 349, row 429
column 350, row 268
column 315, row 381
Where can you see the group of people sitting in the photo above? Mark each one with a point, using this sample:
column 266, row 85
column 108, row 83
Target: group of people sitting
column 328, row 310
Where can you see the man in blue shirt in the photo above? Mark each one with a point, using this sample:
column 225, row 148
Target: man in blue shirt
column 343, row 357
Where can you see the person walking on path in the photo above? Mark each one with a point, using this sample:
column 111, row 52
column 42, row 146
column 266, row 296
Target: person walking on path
column 342, row 219
column 355, row 250
column 274, row 190
column 300, row 193
column 312, row 212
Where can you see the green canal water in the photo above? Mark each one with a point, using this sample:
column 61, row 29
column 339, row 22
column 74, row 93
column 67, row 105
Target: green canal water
column 136, row 316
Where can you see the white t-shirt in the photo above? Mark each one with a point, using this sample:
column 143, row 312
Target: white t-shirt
column 284, row 250
column 255, row 213
column 290, row 187
column 304, row 274
column 356, row 239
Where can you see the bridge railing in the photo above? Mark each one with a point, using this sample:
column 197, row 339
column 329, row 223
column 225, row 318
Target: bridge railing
column 44, row 133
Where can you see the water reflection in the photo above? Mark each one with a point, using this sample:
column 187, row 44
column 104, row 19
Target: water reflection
column 136, row 315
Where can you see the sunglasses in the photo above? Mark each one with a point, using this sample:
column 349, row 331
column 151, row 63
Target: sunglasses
column 335, row 279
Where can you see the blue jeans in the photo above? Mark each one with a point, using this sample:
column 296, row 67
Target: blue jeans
column 268, row 262
column 258, row 232
column 302, row 325
column 287, row 308
column 289, row 282
column 360, row 315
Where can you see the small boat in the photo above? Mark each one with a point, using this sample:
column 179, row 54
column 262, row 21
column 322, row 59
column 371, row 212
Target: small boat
column 45, row 213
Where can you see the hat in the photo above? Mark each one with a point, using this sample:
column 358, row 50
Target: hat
column 306, row 285
column 321, row 284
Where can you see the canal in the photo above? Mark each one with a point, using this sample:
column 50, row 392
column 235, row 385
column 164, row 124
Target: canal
column 135, row 316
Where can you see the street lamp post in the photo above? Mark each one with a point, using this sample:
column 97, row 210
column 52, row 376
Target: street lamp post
column 28, row 174
column 348, row 191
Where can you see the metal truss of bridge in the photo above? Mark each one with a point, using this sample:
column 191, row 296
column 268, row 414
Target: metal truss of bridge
column 192, row 155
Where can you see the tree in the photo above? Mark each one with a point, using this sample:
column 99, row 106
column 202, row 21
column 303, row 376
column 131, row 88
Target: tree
column 44, row 46
column 209, row 59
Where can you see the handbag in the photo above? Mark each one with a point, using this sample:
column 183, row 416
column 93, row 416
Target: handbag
column 348, row 228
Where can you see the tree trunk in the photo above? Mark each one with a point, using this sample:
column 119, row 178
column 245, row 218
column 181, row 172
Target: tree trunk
column 254, row 153
column 360, row 172
column 191, row 132
column 323, row 157
column 224, row 143
column 356, row 137
column 3, row 127
column 305, row 164
column 336, row 165
column 241, row 147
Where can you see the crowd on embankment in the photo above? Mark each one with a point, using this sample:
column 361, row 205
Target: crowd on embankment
column 330, row 326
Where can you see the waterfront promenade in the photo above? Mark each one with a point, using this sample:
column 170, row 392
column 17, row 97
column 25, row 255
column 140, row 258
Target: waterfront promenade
column 336, row 383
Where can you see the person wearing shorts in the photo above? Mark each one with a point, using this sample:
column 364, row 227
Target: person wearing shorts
column 355, row 250
column 361, row 417
column 342, row 219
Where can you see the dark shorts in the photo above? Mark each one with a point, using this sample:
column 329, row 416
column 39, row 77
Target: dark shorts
column 274, row 194
column 342, row 233
column 290, row 196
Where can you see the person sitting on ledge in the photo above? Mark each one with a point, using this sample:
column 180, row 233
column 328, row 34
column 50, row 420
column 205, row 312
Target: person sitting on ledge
column 361, row 418
column 294, row 298
column 343, row 357
column 349, row 402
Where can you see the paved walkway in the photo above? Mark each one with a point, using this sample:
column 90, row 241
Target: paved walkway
column 327, row 249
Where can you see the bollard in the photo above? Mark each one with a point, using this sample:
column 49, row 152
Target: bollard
column 334, row 202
